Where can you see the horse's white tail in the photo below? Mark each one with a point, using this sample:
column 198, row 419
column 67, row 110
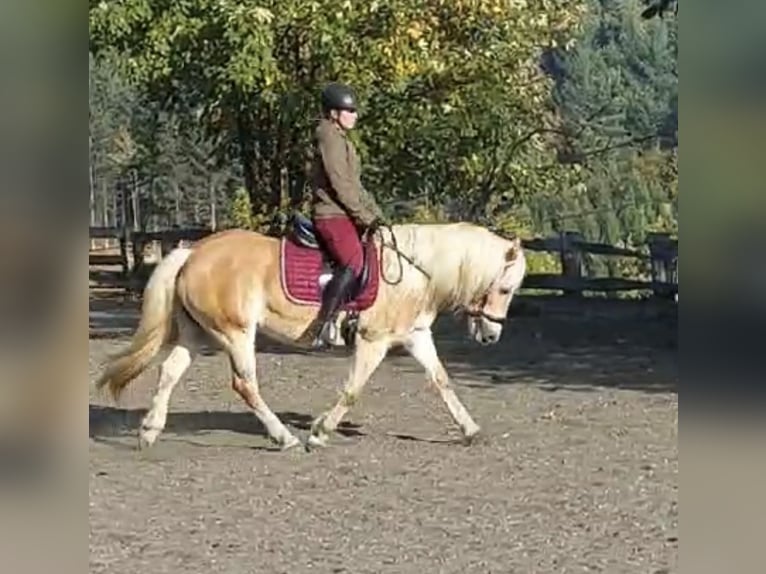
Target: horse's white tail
column 154, row 328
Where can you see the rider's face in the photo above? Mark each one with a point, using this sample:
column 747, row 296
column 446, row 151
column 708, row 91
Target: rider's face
column 346, row 118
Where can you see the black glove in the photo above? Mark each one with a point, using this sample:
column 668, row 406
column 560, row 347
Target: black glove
column 377, row 223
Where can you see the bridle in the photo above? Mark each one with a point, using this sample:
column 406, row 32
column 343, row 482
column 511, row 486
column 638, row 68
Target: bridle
column 486, row 316
column 480, row 313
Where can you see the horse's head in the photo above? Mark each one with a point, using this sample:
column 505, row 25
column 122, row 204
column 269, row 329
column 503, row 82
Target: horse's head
column 486, row 316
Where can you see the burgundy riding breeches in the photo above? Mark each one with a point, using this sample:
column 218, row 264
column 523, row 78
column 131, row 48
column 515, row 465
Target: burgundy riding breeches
column 341, row 237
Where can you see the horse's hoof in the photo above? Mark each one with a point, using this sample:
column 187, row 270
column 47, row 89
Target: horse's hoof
column 474, row 437
column 147, row 437
column 319, row 345
column 291, row 442
column 315, row 441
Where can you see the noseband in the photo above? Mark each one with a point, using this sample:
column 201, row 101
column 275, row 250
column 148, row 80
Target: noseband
column 479, row 312
column 491, row 318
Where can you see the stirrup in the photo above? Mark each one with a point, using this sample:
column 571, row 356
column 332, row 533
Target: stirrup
column 349, row 329
column 327, row 336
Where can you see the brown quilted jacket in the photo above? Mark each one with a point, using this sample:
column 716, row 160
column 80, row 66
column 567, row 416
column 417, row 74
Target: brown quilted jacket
column 335, row 178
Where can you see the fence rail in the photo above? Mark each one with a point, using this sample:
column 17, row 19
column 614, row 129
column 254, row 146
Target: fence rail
column 570, row 247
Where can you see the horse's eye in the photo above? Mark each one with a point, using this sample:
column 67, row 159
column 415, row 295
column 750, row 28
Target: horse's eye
column 505, row 291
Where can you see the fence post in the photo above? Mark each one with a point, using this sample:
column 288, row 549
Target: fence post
column 139, row 246
column 125, row 230
column 663, row 253
column 167, row 244
column 571, row 261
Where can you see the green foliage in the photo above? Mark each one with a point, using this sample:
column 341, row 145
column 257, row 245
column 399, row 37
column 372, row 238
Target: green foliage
column 617, row 94
column 520, row 223
column 428, row 214
column 243, row 215
column 158, row 154
column 451, row 91
column 537, row 116
column 241, row 211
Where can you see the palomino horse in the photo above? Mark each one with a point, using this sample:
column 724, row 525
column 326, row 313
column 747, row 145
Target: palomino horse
column 231, row 284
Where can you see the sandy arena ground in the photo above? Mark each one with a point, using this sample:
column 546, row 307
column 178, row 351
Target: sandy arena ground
column 577, row 470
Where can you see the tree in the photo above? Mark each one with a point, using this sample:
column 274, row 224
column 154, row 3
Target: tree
column 112, row 102
column 658, row 8
column 454, row 102
column 617, row 95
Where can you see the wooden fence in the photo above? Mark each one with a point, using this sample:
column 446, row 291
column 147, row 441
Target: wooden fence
column 571, row 248
column 128, row 268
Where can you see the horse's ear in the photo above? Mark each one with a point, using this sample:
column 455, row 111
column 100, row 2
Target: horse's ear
column 513, row 250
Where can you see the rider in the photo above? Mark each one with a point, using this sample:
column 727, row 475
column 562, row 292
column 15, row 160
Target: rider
column 340, row 205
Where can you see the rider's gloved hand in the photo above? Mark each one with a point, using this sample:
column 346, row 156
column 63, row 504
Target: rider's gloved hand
column 377, row 223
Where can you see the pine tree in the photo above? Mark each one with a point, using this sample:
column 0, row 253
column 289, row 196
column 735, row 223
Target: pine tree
column 112, row 101
column 617, row 95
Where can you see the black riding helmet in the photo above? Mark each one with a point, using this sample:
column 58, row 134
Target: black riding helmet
column 338, row 97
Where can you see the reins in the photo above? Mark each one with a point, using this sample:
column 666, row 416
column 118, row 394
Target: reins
column 395, row 247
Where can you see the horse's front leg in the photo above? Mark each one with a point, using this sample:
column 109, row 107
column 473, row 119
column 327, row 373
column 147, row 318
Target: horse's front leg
column 421, row 346
column 367, row 356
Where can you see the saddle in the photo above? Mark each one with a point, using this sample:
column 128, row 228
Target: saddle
column 301, row 231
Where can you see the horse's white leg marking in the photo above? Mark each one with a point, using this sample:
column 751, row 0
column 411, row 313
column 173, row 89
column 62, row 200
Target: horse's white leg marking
column 367, row 356
column 421, row 346
column 245, row 382
column 171, row 371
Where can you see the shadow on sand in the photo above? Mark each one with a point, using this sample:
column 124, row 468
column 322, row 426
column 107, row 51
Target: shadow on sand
column 623, row 345
column 106, row 422
column 552, row 342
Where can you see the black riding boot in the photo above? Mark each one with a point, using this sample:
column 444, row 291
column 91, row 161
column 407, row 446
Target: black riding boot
column 334, row 295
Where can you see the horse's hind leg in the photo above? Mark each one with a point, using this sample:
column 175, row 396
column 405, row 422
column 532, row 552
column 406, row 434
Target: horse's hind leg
column 367, row 357
column 170, row 373
column 245, row 382
column 421, row 346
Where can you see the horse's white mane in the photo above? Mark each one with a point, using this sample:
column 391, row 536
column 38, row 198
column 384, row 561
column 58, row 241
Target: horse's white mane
column 463, row 260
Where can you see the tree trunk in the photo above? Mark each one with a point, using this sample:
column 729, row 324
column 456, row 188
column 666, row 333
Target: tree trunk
column 134, row 198
column 92, row 205
column 115, row 207
column 151, row 223
column 213, row 222
column 92, row 178
column 177, row 195
column 103, row 202
column 246, row 151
